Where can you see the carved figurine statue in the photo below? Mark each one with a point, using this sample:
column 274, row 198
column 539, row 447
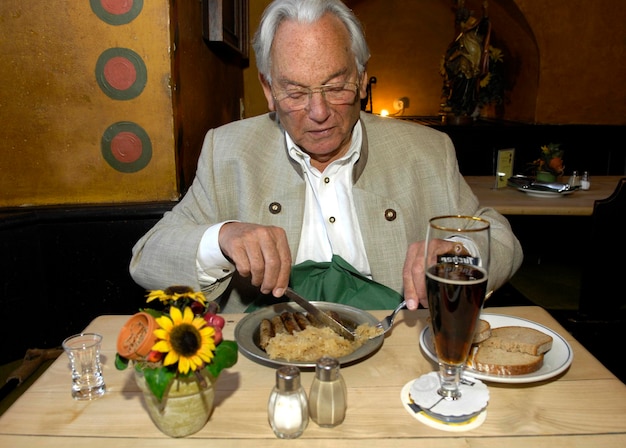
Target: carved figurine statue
column 466, row 62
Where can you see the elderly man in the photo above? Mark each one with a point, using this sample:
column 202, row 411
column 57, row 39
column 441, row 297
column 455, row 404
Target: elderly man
column 313, row 180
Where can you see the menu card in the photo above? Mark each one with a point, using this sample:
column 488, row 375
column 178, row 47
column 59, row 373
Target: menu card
column 504, row 166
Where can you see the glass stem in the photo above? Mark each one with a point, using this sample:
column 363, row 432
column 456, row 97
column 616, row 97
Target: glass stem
column 450, row 377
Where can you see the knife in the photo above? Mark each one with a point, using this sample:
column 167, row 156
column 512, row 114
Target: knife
column 337, row 327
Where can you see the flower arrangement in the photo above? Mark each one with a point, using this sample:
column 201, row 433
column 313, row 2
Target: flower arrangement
column 550, row 160
column 181, row 339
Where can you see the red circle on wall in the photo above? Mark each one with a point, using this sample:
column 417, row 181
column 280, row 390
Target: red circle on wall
column 116, row 12
column 120, row 73
column 126, row 147
column 117, row 6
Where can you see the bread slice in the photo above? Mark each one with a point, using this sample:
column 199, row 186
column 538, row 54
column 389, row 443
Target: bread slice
column 497, row 361
column 519, row 339
column 482, row 332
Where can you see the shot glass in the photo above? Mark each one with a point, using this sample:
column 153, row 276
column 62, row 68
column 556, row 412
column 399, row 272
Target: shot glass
column 83, row 351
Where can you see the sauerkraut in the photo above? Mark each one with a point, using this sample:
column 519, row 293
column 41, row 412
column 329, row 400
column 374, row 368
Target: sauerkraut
column 312, row 343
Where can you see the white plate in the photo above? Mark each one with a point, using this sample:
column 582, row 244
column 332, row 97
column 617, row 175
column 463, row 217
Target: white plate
column 555, row 361
column 247, row 332
column 545, row 194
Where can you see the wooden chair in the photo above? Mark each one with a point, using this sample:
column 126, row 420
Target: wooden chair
column 603, row 282
column 601, row 314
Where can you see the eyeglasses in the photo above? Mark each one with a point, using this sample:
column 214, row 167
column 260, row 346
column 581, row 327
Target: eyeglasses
column 334, row 93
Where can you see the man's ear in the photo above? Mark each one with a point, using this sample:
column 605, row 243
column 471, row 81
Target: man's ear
column 267, row 91
column 363, row 85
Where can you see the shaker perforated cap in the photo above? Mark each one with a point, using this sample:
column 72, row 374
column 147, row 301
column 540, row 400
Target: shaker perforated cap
column 327, row 369
column 288, row 378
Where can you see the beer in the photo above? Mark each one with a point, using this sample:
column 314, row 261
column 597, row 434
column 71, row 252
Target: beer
column 455, row 296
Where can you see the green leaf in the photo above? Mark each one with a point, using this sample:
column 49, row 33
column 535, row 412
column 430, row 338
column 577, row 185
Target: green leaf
column 225, row 357
column 120, row 362
column 158, row 380
column 154, row 313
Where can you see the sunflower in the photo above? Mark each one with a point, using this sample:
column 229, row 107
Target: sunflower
column 185, row 339
column 173, row 294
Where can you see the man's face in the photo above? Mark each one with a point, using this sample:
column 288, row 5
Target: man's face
column 307, row 56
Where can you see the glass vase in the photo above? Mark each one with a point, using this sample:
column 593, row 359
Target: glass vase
column 185, row 408
column 545, row 176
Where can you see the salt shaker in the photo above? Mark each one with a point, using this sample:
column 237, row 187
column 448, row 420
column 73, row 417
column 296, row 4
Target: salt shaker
column 287, row 408
column 574, row 180
column 585, row 183
column 328, row 395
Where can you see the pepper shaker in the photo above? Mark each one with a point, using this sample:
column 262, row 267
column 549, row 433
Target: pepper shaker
column 574, row 180
column 585, row 183
column 287, row 408
column 328, row 396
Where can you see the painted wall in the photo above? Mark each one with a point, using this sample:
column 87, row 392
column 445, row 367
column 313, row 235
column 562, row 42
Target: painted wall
column 566, row 59
column 83, row 103
column 582, row 48
column 106, row 101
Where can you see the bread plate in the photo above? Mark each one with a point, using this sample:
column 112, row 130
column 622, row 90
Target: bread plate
column 545, row 194
column 555, row 361
column 247, row 333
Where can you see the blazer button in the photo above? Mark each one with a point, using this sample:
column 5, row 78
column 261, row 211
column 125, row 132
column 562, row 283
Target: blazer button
column 390, row 214
column 275, row 208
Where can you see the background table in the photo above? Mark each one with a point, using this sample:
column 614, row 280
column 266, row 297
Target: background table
column 510, row 201
column 585, row 406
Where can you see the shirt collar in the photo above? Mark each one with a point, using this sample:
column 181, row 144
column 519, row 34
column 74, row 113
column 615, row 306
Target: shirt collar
column 297, row 154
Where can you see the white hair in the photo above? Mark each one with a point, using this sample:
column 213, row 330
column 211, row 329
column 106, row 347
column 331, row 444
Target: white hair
column 305, row 11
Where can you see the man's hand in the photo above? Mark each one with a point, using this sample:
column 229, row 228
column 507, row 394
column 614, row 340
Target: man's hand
column 259, row 252
column 413, row 272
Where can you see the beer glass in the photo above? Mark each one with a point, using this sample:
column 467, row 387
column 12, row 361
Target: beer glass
column 457, row 267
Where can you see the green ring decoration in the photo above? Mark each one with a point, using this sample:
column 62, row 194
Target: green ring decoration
column 108, row 152
column 116, row 19
column 140, row 70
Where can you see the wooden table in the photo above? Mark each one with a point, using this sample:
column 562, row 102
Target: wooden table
column 584, row 406
column 510, row 201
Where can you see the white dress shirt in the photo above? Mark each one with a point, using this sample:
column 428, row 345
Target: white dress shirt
column 330, row 224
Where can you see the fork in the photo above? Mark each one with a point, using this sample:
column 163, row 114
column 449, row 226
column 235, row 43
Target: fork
column 387, row 322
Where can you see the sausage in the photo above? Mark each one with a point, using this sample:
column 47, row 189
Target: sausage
column 277, row 325
column 290, row 322
column 302, row 320
column 314, row 321
column 266, row 332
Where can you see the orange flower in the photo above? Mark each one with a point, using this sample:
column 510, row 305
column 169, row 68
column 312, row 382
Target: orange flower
column 556, row 164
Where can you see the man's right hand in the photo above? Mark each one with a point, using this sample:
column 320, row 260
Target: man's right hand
column 259, row 252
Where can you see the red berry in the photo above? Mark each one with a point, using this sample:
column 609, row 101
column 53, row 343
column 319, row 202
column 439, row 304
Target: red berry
column 215, row 320
column 217, row 337
column 218, row 321
column 197, row 308
column 154, row 356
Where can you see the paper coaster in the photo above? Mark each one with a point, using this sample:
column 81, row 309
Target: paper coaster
column 461, row 419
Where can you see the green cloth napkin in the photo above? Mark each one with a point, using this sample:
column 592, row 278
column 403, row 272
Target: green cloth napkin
column 336, row 281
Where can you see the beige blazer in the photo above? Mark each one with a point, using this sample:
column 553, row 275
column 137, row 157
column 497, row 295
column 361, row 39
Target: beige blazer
column 407, row 173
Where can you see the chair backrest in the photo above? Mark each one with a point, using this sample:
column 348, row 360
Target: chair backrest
column 603, row 286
